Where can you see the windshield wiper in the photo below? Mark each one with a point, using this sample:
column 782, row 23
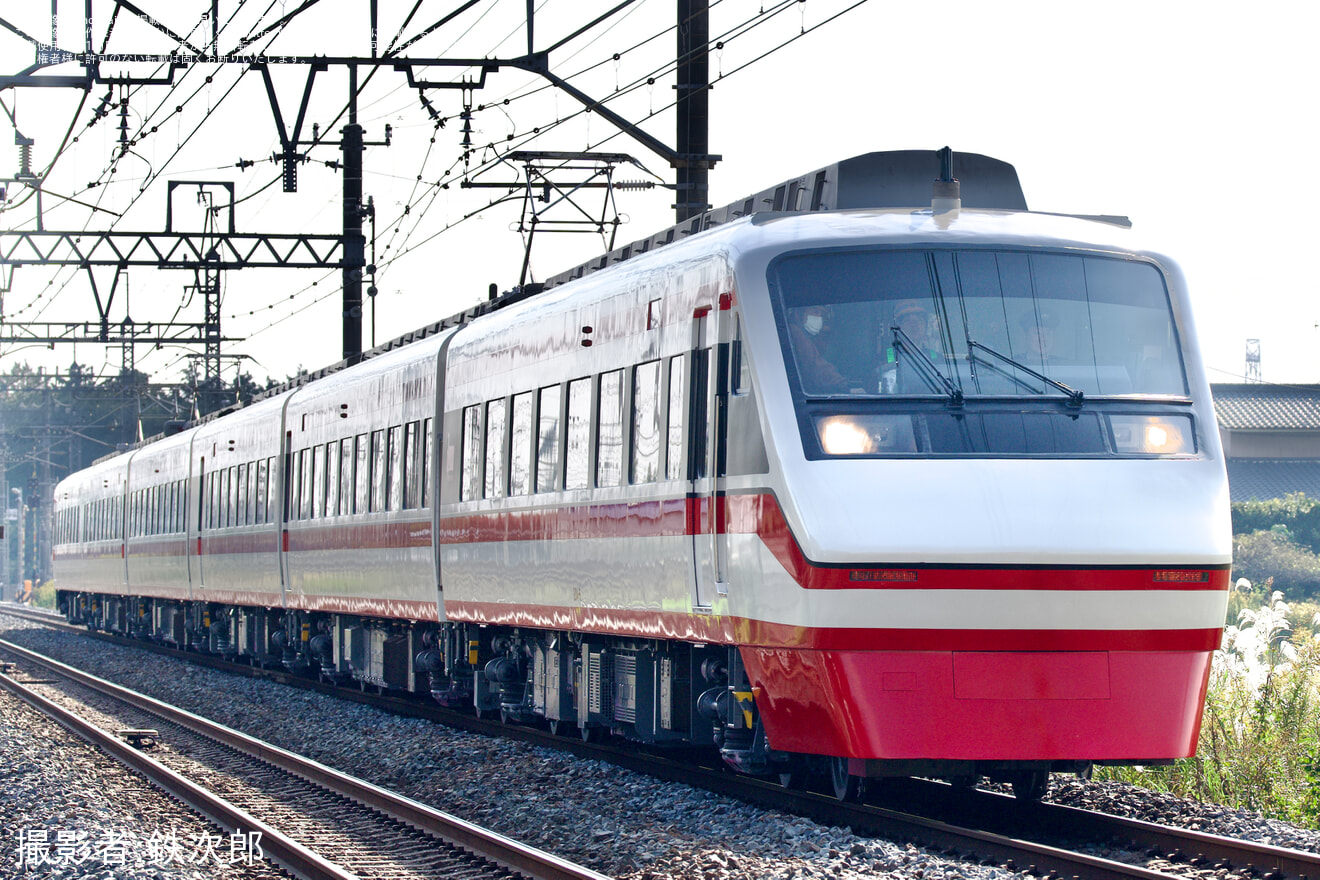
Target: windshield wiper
column 926, row 367
column 1075, row 395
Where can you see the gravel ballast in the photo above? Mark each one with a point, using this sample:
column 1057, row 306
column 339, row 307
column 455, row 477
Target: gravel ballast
column 618, row 822
column 69, row 810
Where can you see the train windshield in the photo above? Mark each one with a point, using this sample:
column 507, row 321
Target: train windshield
column 975, row 323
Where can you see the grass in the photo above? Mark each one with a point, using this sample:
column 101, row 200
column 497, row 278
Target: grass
column 1259, row 746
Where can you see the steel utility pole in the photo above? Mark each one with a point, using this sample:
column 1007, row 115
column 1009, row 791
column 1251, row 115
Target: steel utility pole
column 693, row 108
column 355, row 246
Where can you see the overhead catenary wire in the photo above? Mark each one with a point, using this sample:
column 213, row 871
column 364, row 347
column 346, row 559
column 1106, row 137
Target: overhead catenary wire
column 453, row 174
column 408, row 224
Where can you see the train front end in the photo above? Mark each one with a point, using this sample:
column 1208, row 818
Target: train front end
column 996, row 537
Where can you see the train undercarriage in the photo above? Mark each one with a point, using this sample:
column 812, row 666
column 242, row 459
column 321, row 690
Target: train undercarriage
column 653, row 692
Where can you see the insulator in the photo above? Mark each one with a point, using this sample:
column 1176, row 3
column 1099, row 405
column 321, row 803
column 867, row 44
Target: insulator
column 634, row 184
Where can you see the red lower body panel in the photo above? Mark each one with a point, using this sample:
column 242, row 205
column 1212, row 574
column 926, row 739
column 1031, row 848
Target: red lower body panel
column 949, row 705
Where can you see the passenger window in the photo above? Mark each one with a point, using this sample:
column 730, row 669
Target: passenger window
column 262, row 477
column 674, row 434
column 310, row 484
column 646, row 423
column 577, row 437
column 316, row 487
column 272, row 508
column 242, row 495
column 212, row 504
column 520, row 463
column 609, row 430
column 229, row 497
column 470, row 481
column 362, row 471
column 394, row 493
column 331, row 506
column 547, row 439
column 346, row 476
column 495, row 430
column 412, row 473
column 378, row 474
column 426, row 463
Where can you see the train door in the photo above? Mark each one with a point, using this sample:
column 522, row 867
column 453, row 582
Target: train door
column 286, row 478
column 708, row 382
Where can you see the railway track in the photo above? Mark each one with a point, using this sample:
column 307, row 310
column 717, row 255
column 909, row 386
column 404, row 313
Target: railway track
column 312, row 820
column 980, row 826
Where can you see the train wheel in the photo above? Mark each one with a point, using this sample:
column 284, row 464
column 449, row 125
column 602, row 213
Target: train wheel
column 847, row 787
column 1031, row 785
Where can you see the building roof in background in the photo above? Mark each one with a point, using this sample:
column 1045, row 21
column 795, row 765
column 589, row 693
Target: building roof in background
column 1260, row 407
column 1265, row 478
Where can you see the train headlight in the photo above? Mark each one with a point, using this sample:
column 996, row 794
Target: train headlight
column 865, row 434
column 1152, row 435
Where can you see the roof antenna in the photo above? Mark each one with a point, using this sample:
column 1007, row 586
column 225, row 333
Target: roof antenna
column 945, row 191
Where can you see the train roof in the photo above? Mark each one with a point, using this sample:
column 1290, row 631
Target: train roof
column 895, row 179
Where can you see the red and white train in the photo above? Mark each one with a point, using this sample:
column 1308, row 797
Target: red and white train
column 848, row 482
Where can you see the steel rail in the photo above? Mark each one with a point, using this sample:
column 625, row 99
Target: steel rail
column 1012, row 819
column 506, row 852
column 891, row 824
column 285, row 851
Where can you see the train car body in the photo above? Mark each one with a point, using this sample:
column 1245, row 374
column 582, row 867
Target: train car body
column 873, row 492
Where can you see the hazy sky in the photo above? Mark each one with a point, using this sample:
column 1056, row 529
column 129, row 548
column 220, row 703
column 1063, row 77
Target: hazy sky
column 1192, row 119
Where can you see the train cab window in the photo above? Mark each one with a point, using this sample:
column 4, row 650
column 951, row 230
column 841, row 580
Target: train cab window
column 496, row 427
column 394, row 489
column 674, row 419
column 547, row 439
column 520, row 446
column 609, row 430
column 887, row 334
column 577, row 435
column 645, row 466
column 470, row 481
column 361, row 473
column 426, row 463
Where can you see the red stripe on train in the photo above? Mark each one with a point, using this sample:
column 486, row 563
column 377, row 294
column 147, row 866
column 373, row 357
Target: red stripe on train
column 760, row 514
